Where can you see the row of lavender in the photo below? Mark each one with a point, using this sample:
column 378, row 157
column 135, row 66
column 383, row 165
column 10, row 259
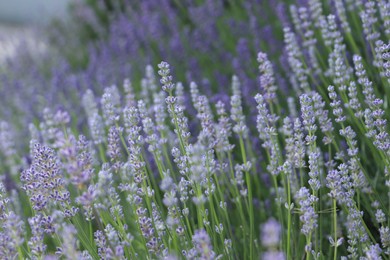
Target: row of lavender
column 169, row 173
column 192, row 35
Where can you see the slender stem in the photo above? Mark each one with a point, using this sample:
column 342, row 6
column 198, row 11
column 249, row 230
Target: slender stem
column 250, row 203
column 288, row 219
column 335, row 228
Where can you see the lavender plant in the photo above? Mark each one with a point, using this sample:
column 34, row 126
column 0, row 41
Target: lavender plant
column 291, row 162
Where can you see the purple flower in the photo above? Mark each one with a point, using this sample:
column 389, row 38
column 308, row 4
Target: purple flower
column 271, row 233
column 43, row 181
column 202, row 246
column 308, row 215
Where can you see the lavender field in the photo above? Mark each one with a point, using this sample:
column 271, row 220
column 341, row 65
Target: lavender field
column 199, row 129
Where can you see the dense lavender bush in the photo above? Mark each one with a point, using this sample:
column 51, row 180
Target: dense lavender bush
column 289, row 160
column 118, row 44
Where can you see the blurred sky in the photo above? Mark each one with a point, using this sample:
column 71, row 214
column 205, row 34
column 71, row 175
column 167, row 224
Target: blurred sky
column 31, row 11
column 20, row 18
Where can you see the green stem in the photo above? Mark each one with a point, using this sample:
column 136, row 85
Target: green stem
column 288, row 219
column 249, row 184
column 335, row 228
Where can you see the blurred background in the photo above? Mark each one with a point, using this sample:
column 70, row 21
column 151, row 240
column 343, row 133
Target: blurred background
column 19, row 18
column 31, row 11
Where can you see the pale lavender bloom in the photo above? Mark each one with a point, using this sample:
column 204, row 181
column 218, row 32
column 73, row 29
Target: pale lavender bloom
column 68, row 247
column 336, row 105
column 292, row 107
column 4, row 200
column 363, row 80
column 170, row 257
column 166, row 78
column 7, row 146
column 35, row 243
column 87, row 200
column 380, row 55
column 115, row 208
column 374, row 252
column 239, row 179
column 330, row 32
column 267, row 78
column 349, row 134
column 314, row 173
column 160, row 116
column 106, row 195
column 179, row 93
column 200, row 164
column 295, row 17
column 308, row 118
column 129, row 93
column 271, row 233
column 194, row 90
column 369, row 19
column 308, row 34
column 49, row 127
column 340, row 185
column 380, row 216
column 97, row 129
column 342, row 15
column 354, row 102
column 300, row 147
column 322, row 116
column 295, row 58
column 384, row 9
column 148, row 232
column 67, row 152
column 265, row 122
column 385, row 238
column 114, row 145
column 223, row 130
column 82, row 169
column 356, row 233
column 267, row 132
column 273, row 255
column 104, row 251
column 369, row 123
column 308, row 215
column 175, row 110
column 315, row 9
column 131, row 119
column 184, row 191
column 384, row 60
column 382, row 139
column 290, row 154
column 34, row 134
column 115, row 242
column 325, row 30
column 313, row 60
column 169, row 187
column 151, row 138
column 358, row 178
column 339, row 69
column 236, row 112
column 43, row 181
column 207, row 134
column 353, row 5
column 89, row 103
column 180, row 160
column 202, row 246
column 11, row 236
column 109, row 108
column 143, row 109
column 148, row 85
